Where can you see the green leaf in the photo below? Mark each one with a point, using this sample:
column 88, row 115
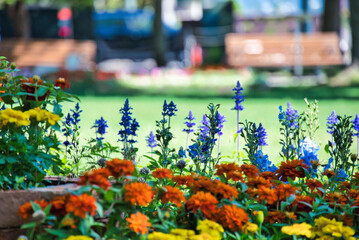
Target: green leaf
column 28, row 225
column 99, row 209
column 58, row 232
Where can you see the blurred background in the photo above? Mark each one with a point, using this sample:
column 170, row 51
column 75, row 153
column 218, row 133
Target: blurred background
column 191, row 51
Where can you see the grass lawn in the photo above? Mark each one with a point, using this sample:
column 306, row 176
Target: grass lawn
column 147, row 109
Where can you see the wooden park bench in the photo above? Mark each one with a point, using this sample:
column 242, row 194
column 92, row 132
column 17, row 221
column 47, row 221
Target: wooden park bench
column 259, row 50
column 46, row 52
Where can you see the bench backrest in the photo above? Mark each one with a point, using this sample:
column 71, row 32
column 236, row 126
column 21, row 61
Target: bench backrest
column 261, row 50
column 46, row 52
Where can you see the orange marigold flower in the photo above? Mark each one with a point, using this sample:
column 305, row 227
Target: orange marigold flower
column 336, row 198
column 216, row 187
column 30, row 85
column 230, row 170
column 232, row 217
column 26, row 210
column 62, row 83
column 205, row 202
column 267, row 194
column 292, row 169
column 352, row 194
column 344, row 186
column 138, row 193
column 79, row 205
column 301, row 207
column 249, row 170
column 225, row 191
column 58, row 205
column 258, row 181
column 173, row 194
column 162, row 173
column 284, row 191
column 268, row 175
column 275, row 217
column 313, row 184
column 329, row 173
column 183, row 180
column 138, row 223
column 120, row 168
column 69, row 221
column 97, row 177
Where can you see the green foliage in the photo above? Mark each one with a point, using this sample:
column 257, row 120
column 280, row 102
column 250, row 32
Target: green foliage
column 29, row 147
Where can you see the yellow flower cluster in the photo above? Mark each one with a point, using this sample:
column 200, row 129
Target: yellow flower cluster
column 13, row 116
column 299, row 229
column 250, row 228
column 209, row 230
column 78, row 237
column 43, row 115
column 325, row 228
column 19, row 118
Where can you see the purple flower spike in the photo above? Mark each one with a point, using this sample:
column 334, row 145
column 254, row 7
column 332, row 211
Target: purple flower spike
column 238, row 98
column 331, row 121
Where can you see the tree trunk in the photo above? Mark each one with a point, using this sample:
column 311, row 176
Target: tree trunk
column 354, row 25
column 158, row 36
column 19, row 16
column 331, row 16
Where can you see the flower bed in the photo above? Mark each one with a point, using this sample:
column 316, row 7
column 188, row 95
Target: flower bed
column 186, row 193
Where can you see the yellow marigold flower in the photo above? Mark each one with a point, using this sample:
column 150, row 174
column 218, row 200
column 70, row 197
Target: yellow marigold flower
column 14, row 116
column 250, row 228
column 182, row 233
column 160, row 236
column 52, row 119
column 325, row 237
column 339, row 230
column 211, row 228
column 299, row 229
column 79, row 237
column 202, row 236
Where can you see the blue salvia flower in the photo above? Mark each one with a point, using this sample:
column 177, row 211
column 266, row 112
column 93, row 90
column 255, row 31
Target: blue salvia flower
column 331, row 121
column 329, row 164
column 220, row 119
column 204, row 127
column 281, row 114
column 100, row 125
column 169, row 109
column 164, row 108
column 76, row 114
column 172, row 108
column 129, row 126
column 181, row 153
column 291, row 116
column 341, row 176
column 238, row 97
column 189, row 123
column 356, row 125
column 151, row 140
column 263, row 163
column 308, row 151
column 261, row 134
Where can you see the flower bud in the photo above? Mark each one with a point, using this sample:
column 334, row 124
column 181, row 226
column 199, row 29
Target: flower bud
column 36, row 78
column 260, row 217
column 167, row 215
column 22, row 237
column 39, row 216
column 354, row 157
column 13, row 66
column 101, row 162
